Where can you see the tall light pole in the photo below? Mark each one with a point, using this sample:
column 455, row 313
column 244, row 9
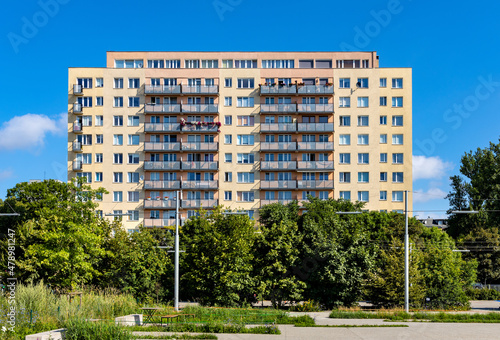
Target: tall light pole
column 176, row 258
column 407, row 257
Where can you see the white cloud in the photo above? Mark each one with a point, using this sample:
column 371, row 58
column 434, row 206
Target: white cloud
column 5, row 174
column 430, row 167
column 429, row 195
column 29, row 131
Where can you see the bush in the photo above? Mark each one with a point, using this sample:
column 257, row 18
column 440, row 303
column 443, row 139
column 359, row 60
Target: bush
column 482, row 294
column 307, row 306
column 78, row 329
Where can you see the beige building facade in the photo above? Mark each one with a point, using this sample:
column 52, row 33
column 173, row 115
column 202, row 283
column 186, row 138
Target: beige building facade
column 239, row 129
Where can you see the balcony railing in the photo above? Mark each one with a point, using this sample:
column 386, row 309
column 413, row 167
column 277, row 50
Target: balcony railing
column 77, row 127
column 152, row 146
column 162, row 89
column 200, row 89
column 162, row 165
column 77, row 165
column 314, row 107
column 162, row 184
column 199, row 203
column 315, row 89
column 199, row 185
column 159, row 203
column 200, row 165
column 200, row 108
column 328, row 184
column 77, row 146
column 200, row 128
column 288, row 108
column 266, row 202
column 77, row 108
column 289, row 146
column 77, row 89
column 277, row 89
column 158, row 127
column 159, row 223
column 266, row 165
column 278, row 127
column 313, row 127
column 278, row 184
column 162, row 108
column 315, row 165
column 322, row 146
column 188, row 146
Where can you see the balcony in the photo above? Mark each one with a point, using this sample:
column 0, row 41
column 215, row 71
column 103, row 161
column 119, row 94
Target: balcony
column 152, row 146
column 199, row 203
column 77, row 108
column 77, row 90
column 266, row 89
column 285, row 146
column 159, row 204
column 313, row 108
column 200, row 108
column 275, row 108
column 200, row 128
column 159, row 223
column 315, row 127
column 315, row 89
column 200, row 165
column 162, row 165
column 77, row 165
column 77, row 127
column 200, row 185
column 266, row 165
column 77, row 146
column 188, row 146
column 162, row 185
column 272, row 185
column 315, row 165
column 162, row 89
column 320, row 146
column 266, row 202
column 200, row 89
column 162, row 108
column 159, row 127
column 278, row 127
column 315, row 184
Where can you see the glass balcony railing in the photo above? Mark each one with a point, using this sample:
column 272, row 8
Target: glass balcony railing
column 152, row 146
column 162, row 108
column 200, row 165
column 199, row 203
column 154, row 165
column 279, row 165
column 315, row 108
column 160, row 127
column 269, row 108
column 272, row 185
column 327, row 184
column 278, row 127
column 162, row 89
column 315, row 127
column 162, row 184
column 286, row 146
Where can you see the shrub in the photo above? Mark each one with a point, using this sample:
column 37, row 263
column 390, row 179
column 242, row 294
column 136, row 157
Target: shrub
column 78, row 329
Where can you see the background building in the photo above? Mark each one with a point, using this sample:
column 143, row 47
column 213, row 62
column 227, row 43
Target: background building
column 241, row 129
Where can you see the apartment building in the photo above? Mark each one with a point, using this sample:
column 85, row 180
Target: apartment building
column 239, row 129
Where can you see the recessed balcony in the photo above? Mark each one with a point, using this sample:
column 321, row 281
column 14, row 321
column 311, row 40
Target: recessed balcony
column 314, row 108
column 153, row 165
column 195, row 146
column 319, row 146
column 162, row 108
column 315, row 89
column 276, row 108
column 77, row 127
column 327, row 184
column 266, row 202
column 200, row 108
column 77, row 165
column 200, row 128
column 200, row 165
column 77, row 108
column 162, row 185
column 159, row 203
column 276, row 185
column 279, row 146
column 199, row 203
column 162, row 89
column 158, row 222
column 278, row 127
column 77, row 90
column 162, row 127
column 200, row 89
column 277, row 89
column 315, row 127
column 200, row 185
column 315, row 165
column 153, row 146
column 280, row 165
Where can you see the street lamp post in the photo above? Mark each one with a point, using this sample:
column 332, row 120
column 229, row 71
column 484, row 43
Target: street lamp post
column 407, row 257
column 176, row 258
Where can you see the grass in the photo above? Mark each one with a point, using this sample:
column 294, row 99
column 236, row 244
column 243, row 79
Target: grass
column 78, row 329
column 418, row 316
column 178, row 336
column 353, row 326
column 210, row 328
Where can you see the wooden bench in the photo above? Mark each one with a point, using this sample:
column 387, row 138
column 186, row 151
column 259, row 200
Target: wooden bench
column 169, row 318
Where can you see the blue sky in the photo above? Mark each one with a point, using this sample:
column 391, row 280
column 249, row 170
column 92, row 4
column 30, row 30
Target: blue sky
column 453, row 50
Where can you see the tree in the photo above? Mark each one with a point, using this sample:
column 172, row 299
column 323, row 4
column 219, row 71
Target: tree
column 276, row 212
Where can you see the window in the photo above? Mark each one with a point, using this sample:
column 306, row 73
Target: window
column 133, row 158
column 118, row 158
column 228, row 158
column 397, row 177
column 362, row 101
column 397, row 120
column 383, row 195
column 383, row 82
column 133, row 101
column 245, row 83
column 344, row 177
column 344, row 101
column 99, row 101
column 117, row 120
column 133, row 196
column 99, row 82
column 228, row 195
column 397, row 83
column 245, row 63
column 278, row 63
column 98, row 157
column 307, row 63
column 159, row 63
column 323, row 195
column 86, row 175
column 133, row 215
column 397, row 158
column 383, row 176
column 383, row 120
column 117, row 177
column 345, row 120
column 99, row 139
column 363, row 196
column 85, row 101
column 133, row 177
column 228, row 82
column 397, row 196
column 383, row 138
column 118, row 102
column 383, row 101
column 117, row 196
column 362, row 83
column 228, row 139
column 245, row 196
column 228, row 177
column 117, row 139
column 133, row 139
column 397, row 101
column 346, row 195
column 98, row 176
column 245, row 158
column 228, row 120
column 211, row 63
column 245, row 177
column 227, row 63
column 344, row 83
column 118, row 83
column 363, row 158
column 363, row 139
column 228, row 101
column 345, row 158
column 397, row 139
column 99, row 120
column 86, row 120
column 383, row 157
column 193, row 63
column 120, row 63
column 85, row 139
column 344, row 139
column 245, row 140
column 87, row 158
column 174, row 63
column 133, row 83
column 245, row 120
column 362, row 120
column 245, row 102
